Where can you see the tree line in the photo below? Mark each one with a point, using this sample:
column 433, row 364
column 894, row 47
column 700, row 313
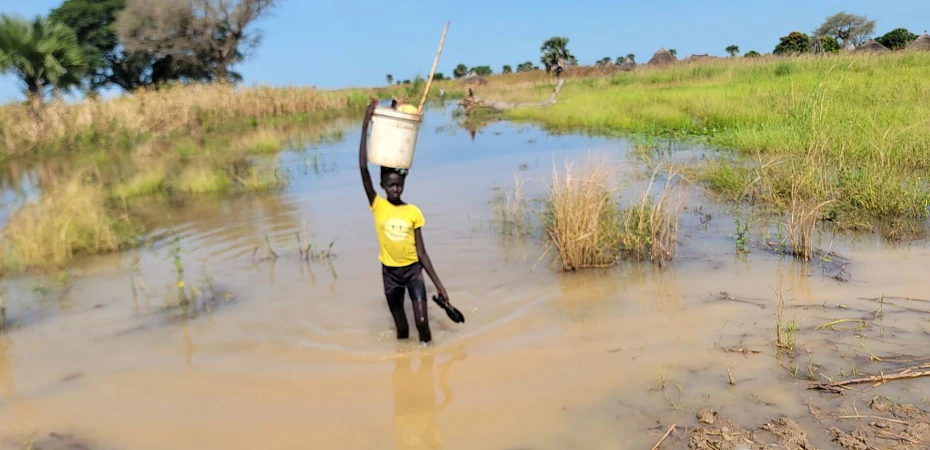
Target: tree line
column 841, row 30
column 129, row 44
column 837, row 31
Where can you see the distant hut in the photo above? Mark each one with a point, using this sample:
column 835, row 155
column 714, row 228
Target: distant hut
column 921, row 43
column 473, row 78
column 627, row 66
column 872, row 46
column 662, row 58
column 698, row 58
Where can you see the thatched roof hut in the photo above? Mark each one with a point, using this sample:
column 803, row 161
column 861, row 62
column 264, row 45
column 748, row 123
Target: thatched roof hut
column 872, row 46
column 662, row 58
column 627, row 66
column 702, row 57
column 921, row 43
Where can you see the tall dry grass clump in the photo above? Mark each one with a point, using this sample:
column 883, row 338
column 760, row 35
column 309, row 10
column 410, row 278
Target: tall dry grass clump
column 582, row 217
column 650, row 227
column 71, row 218
column 124, row 120
column 801, row 223
column 584, row 221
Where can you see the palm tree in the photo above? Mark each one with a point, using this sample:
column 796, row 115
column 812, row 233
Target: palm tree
column 733, row 50
column 43, row 54
column 390, row 79
column 631, row 58
column 555, row 54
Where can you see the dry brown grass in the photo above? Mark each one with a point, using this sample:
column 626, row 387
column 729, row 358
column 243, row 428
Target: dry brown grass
column 801, row 223
column 582, row 217
column 123, row 120
column 585, row 223
column 71, row 218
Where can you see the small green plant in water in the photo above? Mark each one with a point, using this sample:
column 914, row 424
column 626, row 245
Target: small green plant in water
column 784, row 337
column 175, row 254
column 64, row 277
column 742, row 233
column 39, row 288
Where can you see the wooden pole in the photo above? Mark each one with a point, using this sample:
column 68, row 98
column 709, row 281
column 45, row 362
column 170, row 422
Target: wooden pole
column 432, row 71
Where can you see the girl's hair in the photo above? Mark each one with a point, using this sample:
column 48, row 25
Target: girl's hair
column 388, row 170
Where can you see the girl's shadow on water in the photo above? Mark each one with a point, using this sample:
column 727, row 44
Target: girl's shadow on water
column 415, row 408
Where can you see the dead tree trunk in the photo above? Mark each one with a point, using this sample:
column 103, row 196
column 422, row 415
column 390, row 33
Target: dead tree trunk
column 472, row 103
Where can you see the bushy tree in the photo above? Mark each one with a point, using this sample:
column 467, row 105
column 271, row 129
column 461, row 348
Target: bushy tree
column 555, row 54
column 792, row 44
column 631, row 58
column 482, row 70
column 751, row 54
column 507, row 69
column 826, row 44
column 460, row 71
column 212, row 35
column 43, row 54
column 847, row 28
column 526, row 67
column 603, row 62
column 439, row 76
column 673, row 52
column 390, row 79
column 897, row 38
column 733, row 50
column 620, row 60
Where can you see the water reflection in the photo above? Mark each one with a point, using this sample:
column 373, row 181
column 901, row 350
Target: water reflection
column 415, row 408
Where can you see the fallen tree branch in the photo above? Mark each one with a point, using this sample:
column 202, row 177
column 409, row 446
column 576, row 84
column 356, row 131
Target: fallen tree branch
column 910, row 372
column 667, row 433
column 471, row 102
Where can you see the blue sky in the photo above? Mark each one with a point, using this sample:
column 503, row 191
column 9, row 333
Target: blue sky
column 332, row 44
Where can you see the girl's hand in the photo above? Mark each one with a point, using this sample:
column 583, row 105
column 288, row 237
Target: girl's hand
column 443, row 294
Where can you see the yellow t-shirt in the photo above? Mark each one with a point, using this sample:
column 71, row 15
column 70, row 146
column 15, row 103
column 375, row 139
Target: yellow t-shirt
column 395, row 226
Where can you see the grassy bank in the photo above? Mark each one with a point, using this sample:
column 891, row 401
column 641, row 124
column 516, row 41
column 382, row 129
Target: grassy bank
column 853, row 131
column 128, row 120
column 74, row 217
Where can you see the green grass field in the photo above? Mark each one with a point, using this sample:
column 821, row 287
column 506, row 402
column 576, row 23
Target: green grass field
column 852, row 130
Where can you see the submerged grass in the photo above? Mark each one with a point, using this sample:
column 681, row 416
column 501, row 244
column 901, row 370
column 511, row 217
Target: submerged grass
column 511, row 212
column 203, row 180
column 72, row 217
column 651, row 226
column 148, row 182
column 584, row 220
column 853, row 130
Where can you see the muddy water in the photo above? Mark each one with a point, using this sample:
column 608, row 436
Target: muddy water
column 299, row 355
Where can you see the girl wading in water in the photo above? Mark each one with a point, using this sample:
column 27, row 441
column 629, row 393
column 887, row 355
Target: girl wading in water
column 402, row 251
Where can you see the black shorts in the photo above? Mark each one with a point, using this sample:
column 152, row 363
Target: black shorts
column 396, row 279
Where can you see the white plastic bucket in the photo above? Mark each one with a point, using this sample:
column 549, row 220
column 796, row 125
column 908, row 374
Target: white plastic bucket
column 393, row 138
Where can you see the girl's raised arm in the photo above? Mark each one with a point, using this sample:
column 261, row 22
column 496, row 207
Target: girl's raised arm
column 363, row 153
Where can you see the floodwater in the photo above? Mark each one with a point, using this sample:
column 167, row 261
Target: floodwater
column 297, row 355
